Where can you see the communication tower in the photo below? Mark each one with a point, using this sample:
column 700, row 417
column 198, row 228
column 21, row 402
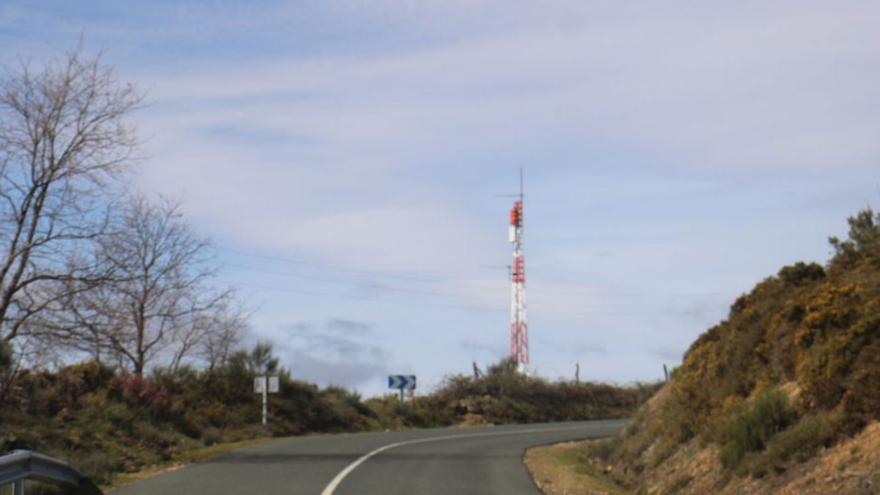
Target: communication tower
column 519, row 328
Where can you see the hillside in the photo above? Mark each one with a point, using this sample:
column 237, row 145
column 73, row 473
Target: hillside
column 108, row 421
column 782, row 396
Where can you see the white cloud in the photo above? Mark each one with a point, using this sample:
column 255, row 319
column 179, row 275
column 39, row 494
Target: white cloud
column 314, row 152
column 334, row 352
column 746, row 90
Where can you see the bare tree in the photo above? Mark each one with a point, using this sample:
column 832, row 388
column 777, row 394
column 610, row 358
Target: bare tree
column 186, row 338
column 63, row 141
column 208, row 336
column 227, row 327
column 158, row 297
column 79, row 320
column 7, row 368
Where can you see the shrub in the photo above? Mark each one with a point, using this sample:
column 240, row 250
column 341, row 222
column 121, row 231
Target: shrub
column 841, row 321
column 798, row 443
column 677, row 418
column 801, row 273
column 604, row 450
column 753, row 424
column 862, row 399
column 98, row 466
column 211, row 436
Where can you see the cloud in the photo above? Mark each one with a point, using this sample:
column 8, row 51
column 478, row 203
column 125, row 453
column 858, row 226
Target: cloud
column 730, row 90
column 584, row 345
column 667, row 354
column 356, row 157
column 349, row 327
column 335, row 352
column 483, row 351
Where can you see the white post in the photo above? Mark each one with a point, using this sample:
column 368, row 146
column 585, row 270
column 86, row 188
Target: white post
column 265, row 396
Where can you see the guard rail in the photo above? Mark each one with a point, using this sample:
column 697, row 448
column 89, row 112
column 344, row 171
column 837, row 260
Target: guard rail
column 22, row 465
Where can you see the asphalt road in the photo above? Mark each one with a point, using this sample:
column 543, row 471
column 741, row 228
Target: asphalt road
column 435, row 461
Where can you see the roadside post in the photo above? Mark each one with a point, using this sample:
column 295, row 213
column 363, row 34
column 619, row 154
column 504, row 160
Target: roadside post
column 266, row 384
column 402, row 383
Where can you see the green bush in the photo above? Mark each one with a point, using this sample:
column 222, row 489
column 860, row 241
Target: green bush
column 753, row 424
column 678, row 420
column 798, row 443
column 97, row 465
column 801, row 273
column 861, row 402
column 603, row 450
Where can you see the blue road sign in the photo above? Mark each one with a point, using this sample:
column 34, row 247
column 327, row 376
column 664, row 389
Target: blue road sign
column 402, row 382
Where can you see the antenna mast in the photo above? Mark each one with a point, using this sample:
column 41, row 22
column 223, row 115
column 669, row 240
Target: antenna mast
column 519, row 328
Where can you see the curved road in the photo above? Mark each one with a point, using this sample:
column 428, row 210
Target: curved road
column 436, row 461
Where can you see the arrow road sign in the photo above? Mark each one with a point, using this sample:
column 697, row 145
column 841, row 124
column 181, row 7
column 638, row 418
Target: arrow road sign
column 402, row 382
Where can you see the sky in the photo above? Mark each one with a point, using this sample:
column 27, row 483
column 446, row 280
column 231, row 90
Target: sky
column 353, row 161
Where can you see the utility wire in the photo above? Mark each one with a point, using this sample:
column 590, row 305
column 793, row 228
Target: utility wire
column 329, row 267
column 357, row 298
column 539, row 302
column 437, row 281
column 331, row 280
column 554, row 312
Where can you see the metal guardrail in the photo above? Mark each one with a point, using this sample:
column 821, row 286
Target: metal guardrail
column 21, row 465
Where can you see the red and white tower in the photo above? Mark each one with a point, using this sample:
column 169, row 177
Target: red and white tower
column 519, row 328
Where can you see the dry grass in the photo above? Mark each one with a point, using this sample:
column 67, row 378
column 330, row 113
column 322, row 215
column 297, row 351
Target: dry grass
column 851, row 467
column 563, row 469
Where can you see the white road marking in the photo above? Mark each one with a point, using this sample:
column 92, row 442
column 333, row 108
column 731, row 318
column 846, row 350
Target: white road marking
column 331, row 487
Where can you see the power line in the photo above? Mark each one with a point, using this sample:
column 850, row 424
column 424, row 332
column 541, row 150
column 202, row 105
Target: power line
column 446, row 282
column 329, row 267
column 357, row 298
column 540, row 310
column 331, row 280
column 549, row 305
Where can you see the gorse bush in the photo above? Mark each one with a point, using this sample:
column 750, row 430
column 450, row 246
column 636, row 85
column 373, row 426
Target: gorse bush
column 861, row 401
column 814, row 329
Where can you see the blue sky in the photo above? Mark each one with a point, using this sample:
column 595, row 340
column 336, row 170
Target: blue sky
column 349, row 159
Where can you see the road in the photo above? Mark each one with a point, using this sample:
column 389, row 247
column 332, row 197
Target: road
column 435, row 461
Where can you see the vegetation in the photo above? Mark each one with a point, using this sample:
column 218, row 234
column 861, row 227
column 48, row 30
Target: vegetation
column 797, row 443
column 562, row 469
column 754, row 424
column 792, row 369
column 108, row 421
